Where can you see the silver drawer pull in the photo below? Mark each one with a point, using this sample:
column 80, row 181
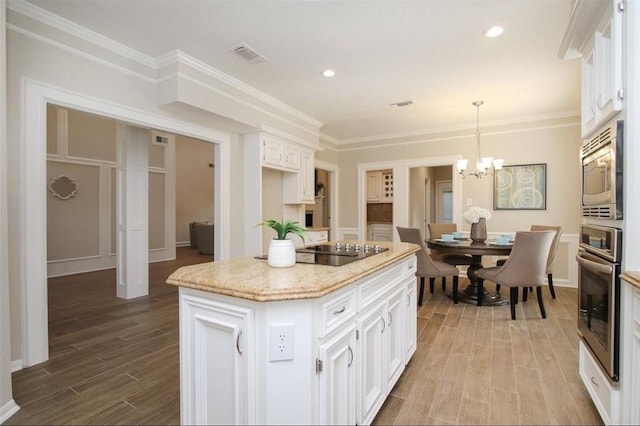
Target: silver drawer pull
column 390, row 318
column 238, row 342
column 350, row 355
column 339, row 311
column 593, row 380
column 384, row 324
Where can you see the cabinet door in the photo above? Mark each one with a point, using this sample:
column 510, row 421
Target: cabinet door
column 608, row 46
column 372, row 378
column 291, row 157
column 214, row 331
column 394, row 337
column 374, row 184
column 307, row 170
column 411, row 318
column 588, row 94
column 298, row 187
column 337, row 379
column 272, row 152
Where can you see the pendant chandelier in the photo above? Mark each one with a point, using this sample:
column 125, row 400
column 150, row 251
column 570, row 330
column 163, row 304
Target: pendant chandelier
column 484, row 165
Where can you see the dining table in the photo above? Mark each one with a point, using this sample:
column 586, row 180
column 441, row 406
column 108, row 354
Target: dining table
column 474, row 293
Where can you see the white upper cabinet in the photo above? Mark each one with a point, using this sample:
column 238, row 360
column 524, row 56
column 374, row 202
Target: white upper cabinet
column 380, row 186
column 280, row 155
column 299, row 188
column 602, row 84
column 595, row 33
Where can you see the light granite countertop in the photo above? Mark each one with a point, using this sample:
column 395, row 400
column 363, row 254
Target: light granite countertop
column 632, row 277
column 254, row 279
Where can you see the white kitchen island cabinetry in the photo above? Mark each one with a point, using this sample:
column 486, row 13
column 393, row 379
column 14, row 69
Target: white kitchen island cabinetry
column 261, row 345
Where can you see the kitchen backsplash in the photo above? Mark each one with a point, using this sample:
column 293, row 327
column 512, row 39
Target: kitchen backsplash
column 380, row 212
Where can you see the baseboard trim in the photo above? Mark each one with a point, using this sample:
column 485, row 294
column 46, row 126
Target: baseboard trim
column 8, row 410
column 16, row 366
column 183, row 244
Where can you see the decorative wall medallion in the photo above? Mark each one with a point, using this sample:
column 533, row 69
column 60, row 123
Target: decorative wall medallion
column 63, row 187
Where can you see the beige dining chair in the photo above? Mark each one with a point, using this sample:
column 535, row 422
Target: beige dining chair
column 552, row 255
column 435, row 231
column 525, row 266
column 427, row 267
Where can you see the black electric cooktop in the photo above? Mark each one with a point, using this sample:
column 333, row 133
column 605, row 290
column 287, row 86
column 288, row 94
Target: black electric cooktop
column 334, row 254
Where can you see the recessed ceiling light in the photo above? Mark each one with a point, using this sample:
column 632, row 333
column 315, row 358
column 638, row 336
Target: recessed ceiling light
column 494, row 31
column 328, row 73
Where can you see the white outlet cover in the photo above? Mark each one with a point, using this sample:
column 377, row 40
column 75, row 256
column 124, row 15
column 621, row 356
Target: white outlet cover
column 281, row 342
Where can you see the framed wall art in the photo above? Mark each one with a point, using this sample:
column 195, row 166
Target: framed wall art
column 520, row 187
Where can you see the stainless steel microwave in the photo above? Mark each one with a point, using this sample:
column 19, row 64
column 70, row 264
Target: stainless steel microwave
column 602, row 164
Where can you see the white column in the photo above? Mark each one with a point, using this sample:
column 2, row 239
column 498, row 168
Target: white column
column 132, row 212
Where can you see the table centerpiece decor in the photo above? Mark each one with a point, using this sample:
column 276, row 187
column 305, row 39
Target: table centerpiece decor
column 477, row 217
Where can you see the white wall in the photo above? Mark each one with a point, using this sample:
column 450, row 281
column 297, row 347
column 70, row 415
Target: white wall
column 7, row 405
column 194, row 185
column 554, row 143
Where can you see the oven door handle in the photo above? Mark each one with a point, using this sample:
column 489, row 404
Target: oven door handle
column 594, row 266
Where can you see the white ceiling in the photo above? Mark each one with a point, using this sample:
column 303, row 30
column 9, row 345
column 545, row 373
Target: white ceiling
column 432, row 52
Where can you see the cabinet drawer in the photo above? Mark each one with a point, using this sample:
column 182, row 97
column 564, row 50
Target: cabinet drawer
column 336, row 310
column 603, row 394
column 379, row 283
column 322, row 236
column 410, row 267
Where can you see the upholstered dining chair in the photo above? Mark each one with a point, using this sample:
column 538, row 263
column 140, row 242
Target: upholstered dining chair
column 427, row 267
column 435, row 231
column 552, row 255
column 525, row 266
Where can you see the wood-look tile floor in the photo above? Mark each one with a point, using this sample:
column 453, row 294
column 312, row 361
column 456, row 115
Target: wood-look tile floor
column 474, row 365
column 114, row 361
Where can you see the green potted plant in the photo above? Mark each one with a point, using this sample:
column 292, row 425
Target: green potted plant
column 282, row 253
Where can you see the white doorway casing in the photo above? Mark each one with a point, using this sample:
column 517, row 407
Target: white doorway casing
column 32, row 164
column 401, row 189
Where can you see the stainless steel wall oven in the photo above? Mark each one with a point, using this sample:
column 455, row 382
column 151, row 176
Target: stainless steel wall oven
column 599, row 259
column 601, row 158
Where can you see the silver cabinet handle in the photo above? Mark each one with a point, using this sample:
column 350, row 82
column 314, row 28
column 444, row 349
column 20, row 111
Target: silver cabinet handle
column 408, row 299
column 350, row 356
column 390, row 318
column 593, row 380
column 238, row 342
column 339, row 311
column 384, row 325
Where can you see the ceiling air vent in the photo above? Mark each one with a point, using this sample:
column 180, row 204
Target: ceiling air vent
column 401, row 104
column 248, row 54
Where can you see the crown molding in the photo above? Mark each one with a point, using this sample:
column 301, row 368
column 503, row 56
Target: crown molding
column 435, row 138
column 449, row 129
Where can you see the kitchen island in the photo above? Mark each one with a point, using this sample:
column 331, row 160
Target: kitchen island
column 310, row 344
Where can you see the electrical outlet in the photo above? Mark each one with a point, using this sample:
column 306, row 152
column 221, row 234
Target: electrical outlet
column 469, row 202
column 281, row 342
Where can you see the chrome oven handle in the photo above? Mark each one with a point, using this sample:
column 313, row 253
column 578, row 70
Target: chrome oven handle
column 595, row 266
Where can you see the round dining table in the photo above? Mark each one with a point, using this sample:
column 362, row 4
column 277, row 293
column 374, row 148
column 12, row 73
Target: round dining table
column 474, row 293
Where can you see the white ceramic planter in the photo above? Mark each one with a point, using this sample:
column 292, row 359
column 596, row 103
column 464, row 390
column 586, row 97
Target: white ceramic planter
column 282, row 253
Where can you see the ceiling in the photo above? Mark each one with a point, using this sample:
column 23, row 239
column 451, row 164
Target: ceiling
column 432, row 52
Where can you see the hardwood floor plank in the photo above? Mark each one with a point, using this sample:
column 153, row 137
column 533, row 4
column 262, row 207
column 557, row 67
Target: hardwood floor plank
column 532, row 408
column 473, row 412
column 502, row 366
column 503, row 407
column 478, row 379
column 446, row 404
